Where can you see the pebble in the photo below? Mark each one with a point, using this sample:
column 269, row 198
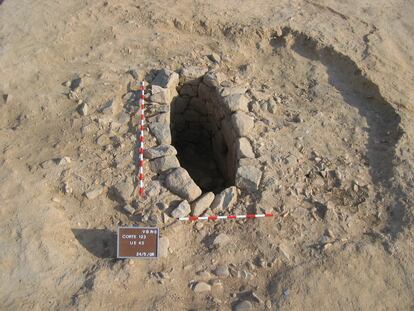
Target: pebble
column 183, row 209
column 63, row 161
column 83, row 109
column 103, row 140
column 67, row 189
column 128, row 209
column 236, row 102
column 214, row 57
column 201, row 287
column 272, row 106
column 221, row 271
column 243, row 306
column 244, row 148
column 94, row 193
column 74, row 84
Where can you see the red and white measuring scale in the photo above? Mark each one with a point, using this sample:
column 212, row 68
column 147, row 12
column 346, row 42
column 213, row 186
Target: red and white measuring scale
column 141, row 140
column 218, row 217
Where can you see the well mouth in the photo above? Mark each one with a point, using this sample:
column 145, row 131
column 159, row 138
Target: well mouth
column 197, row 136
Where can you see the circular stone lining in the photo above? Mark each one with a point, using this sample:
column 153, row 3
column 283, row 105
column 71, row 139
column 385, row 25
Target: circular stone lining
column 209, row 125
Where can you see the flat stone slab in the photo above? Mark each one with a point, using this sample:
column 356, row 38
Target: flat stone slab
column 159, row 151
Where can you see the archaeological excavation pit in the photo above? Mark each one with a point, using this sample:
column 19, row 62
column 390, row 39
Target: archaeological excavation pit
column 208, row 123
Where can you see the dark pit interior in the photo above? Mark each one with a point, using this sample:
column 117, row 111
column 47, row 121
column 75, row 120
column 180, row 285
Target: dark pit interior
column 195, row 134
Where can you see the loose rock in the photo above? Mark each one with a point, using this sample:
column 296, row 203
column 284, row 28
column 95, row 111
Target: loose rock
column 200, row 205
column 166, row 78
column 244, row 148
column 248, row 178
column 162, row 132
column 63, row 161
column 75, row 84
column 183, row 209
column 164, row 163
column 214, row 57
column 201, row 287
column 123, row 191
column 225, row 199
column 242, row 123
column 108, row 107
column 159, row 151
column 83, row 109
column 180, row 183
column 221, row 271
column 236, row 102
column 243, row 306
column 128, row 209
column 94, row 193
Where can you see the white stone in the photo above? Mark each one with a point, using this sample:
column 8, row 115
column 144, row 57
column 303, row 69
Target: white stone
column 225, row 199
column 94, row 193
column 201, row 287
column 83, row 109
column 244, row 148
column 159, row 151
column 180, row 183
column 200, row 205
column 242, row 123
column 183, row 209
column 236, row 102
column 162, row 164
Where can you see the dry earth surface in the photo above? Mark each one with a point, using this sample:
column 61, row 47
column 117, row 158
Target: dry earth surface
column 329, row 86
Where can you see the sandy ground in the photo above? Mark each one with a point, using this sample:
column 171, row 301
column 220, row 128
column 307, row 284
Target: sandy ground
column 343, row 74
